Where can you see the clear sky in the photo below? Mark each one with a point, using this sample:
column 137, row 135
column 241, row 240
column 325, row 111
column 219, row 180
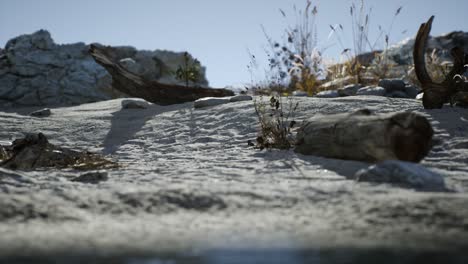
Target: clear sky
column 217, row 32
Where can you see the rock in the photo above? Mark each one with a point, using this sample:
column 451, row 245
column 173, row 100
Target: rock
column 211, row 101
column 34, row 71
column 300, row 94
column 405, row 174
column 239, row 98
column 91, row 177
column 369, row 90
column 41, row 113
column 412, row 91
column 34, row 151
column 135, row 103
column 3, row 153
column 419, row 96
column 349, row 90
column 397, row 94
column 392, row 85
column 327, row 94
column 402, row 53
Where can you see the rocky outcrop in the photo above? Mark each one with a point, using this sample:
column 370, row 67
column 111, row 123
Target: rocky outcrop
column 402, row 53
column 397, row 61
column 36, row 71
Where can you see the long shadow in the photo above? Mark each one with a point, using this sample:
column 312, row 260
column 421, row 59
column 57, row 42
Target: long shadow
column 127, row 122
column 344, row 168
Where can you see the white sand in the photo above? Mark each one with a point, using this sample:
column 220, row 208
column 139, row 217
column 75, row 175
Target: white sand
column 189, row 181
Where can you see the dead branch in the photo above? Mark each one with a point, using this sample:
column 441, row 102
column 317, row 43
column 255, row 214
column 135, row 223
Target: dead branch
column 152, row 91
column 436, row 94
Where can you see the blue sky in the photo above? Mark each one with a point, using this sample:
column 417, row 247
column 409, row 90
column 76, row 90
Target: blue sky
column 217, row 32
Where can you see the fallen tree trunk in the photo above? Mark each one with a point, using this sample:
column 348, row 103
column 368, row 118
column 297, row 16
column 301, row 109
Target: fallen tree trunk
column 365, row 136
column 152, row 91
column 437, row 94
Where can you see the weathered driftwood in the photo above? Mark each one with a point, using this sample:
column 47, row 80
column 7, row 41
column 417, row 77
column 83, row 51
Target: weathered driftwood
column 366, row 137
column 35, row 151
column 452, row 88
column 152, row 91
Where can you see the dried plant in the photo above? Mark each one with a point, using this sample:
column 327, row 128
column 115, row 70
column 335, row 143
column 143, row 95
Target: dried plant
column 276, row 124
column 295, row 63
column 381, row 67
column 436, row 68
column 360, row 25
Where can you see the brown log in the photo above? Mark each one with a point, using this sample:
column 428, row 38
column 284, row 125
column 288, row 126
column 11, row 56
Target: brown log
column 435, row 94
column 367, row 137
column 152, row 91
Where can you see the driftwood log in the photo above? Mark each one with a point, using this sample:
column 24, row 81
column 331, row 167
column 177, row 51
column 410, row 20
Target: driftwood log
column 453, row 88
column 152, row 91
column 365, row 136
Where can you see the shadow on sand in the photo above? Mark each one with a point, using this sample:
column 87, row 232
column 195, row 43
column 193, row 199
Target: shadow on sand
column 127, row 122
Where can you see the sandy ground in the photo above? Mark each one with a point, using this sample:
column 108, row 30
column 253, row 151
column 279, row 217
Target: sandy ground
column 190, row 190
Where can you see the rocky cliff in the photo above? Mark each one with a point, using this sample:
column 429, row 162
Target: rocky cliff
column 34, row 70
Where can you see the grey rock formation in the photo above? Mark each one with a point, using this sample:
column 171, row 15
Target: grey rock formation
column 397, row 94
column 412, row 91
column 36, row 71
column 135, row 103
column 210, row 101
column 327, row 94
column 300, row 93
column 402, row 53
column 41, row 113
column 370, row 90
column 405, row 174
column 392, row 85
column 240, row 98
column 349, row 90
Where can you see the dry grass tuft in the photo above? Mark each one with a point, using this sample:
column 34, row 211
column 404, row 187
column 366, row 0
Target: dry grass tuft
column 276, row 122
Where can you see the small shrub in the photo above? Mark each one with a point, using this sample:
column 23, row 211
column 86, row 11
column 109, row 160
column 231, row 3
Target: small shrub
column 190, row 71
column 276, row 124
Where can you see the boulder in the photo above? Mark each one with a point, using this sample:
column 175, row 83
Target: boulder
column 349, row 90
column 405, row 174
column 327, row 94
column 91, row 177
column 135, row 103
column 412, row 91
column 210, row 101
column 35, row 71
column 392, row 85
column 370, row 90
column 41, row 113
column 397, row 94
column 300, row 94
column 239, row 98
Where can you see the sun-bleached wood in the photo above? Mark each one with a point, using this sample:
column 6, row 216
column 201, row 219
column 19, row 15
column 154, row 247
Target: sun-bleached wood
column 365, row 136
